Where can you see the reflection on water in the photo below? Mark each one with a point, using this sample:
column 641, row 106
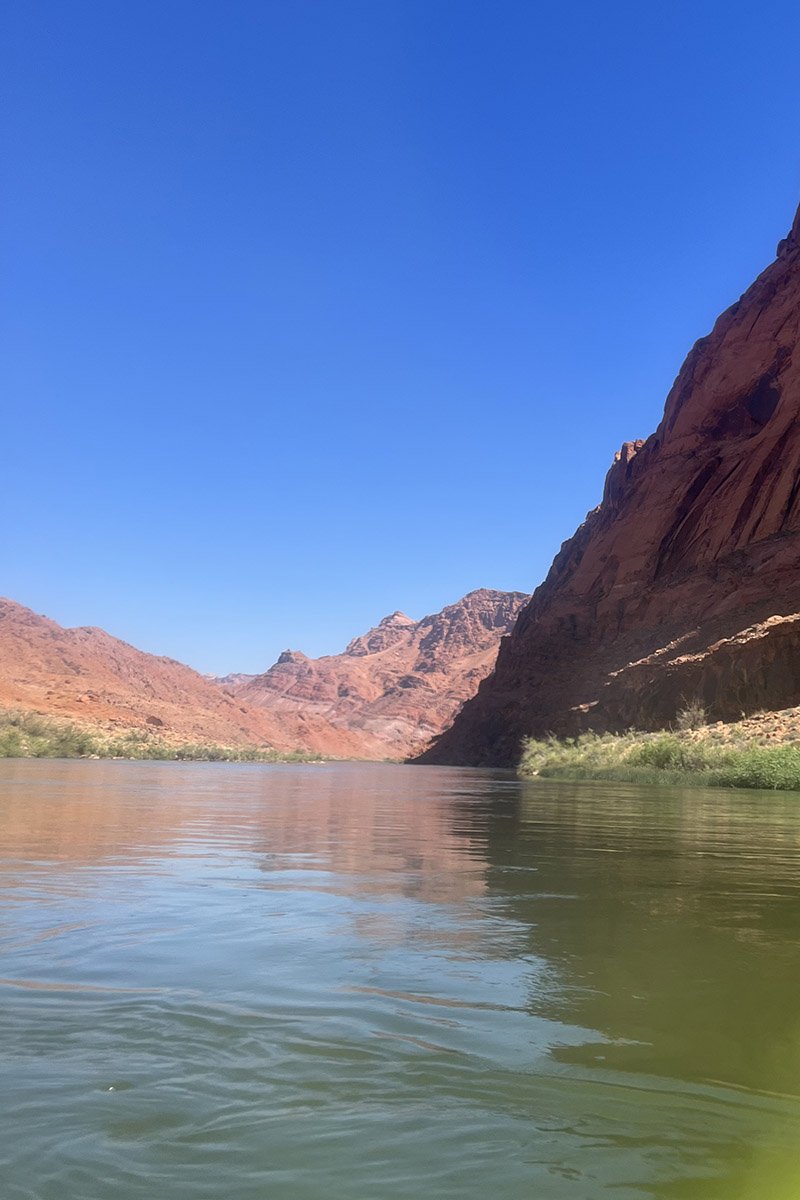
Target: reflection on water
column 385, row 982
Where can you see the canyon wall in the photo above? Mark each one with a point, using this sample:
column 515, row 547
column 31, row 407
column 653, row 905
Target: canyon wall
column 684, row 584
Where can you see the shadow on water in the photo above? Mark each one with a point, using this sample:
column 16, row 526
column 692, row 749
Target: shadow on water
column 670, row 919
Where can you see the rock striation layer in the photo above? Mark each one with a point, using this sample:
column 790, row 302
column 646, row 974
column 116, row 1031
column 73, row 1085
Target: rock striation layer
column 684, row 584
column 393, row 689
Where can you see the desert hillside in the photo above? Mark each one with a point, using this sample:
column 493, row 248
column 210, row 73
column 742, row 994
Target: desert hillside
column 87, row 675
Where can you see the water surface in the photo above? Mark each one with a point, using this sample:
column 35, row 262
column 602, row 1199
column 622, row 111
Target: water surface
column 378, row 982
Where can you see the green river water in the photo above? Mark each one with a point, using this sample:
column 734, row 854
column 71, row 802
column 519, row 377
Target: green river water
column 350, row 982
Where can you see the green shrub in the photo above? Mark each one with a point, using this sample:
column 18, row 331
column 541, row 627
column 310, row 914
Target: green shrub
column 663, row 758
column 29, row 735
column 668, row 752
column 776, row 767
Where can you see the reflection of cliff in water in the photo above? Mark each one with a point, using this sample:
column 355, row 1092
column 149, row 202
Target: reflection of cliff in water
column 86, row 813
column 404, row 840
column 670, row 920
column 380, row 829
column 667, row 921
column 374, row 824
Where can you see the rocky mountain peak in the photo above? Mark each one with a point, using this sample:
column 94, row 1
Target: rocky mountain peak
column 290, row 656
column 792, row 240
column 398, row 685
column 396, row 619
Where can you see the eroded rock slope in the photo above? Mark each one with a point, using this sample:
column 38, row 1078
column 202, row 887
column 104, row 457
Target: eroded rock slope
column 89, row 676
column 393, row 689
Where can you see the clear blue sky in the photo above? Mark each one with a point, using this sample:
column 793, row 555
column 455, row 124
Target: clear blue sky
column 321, row 308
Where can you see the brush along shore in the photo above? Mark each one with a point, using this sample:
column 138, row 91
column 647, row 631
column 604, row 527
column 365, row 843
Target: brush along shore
column 29, row 735
column 762, row 751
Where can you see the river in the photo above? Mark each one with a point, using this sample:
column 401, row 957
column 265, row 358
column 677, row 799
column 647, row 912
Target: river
column 369, row 982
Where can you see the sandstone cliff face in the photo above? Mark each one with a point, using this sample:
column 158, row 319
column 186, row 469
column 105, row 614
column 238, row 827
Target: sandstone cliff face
column 671, row 588
column 393, row 689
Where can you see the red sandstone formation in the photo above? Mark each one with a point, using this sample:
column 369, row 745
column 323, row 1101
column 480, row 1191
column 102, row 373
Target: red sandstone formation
column 396, row 687
column 684, row 584
column 89, row 676
column 386, row 696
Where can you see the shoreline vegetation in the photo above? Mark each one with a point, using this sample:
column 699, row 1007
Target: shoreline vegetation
column 30, row 735
column 759, row 752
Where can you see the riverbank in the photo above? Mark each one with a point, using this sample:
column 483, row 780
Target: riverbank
column 760, row 752
column 30, row 735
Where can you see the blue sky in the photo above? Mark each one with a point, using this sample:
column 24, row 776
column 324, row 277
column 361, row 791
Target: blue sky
column 320, row 310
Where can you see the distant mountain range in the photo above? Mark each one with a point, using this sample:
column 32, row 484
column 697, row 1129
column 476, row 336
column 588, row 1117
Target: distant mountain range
column 386, row 696
column 393, row 689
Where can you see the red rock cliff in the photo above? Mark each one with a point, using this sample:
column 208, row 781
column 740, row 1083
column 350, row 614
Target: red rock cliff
column 683, row 583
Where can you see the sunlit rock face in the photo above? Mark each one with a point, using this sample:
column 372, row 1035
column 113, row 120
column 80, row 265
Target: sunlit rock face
column 89, row 676
column 386, row 696
column 393, row 689
column 668, row 591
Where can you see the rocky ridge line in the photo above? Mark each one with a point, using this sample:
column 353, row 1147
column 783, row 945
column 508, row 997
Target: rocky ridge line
column 396, row 687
